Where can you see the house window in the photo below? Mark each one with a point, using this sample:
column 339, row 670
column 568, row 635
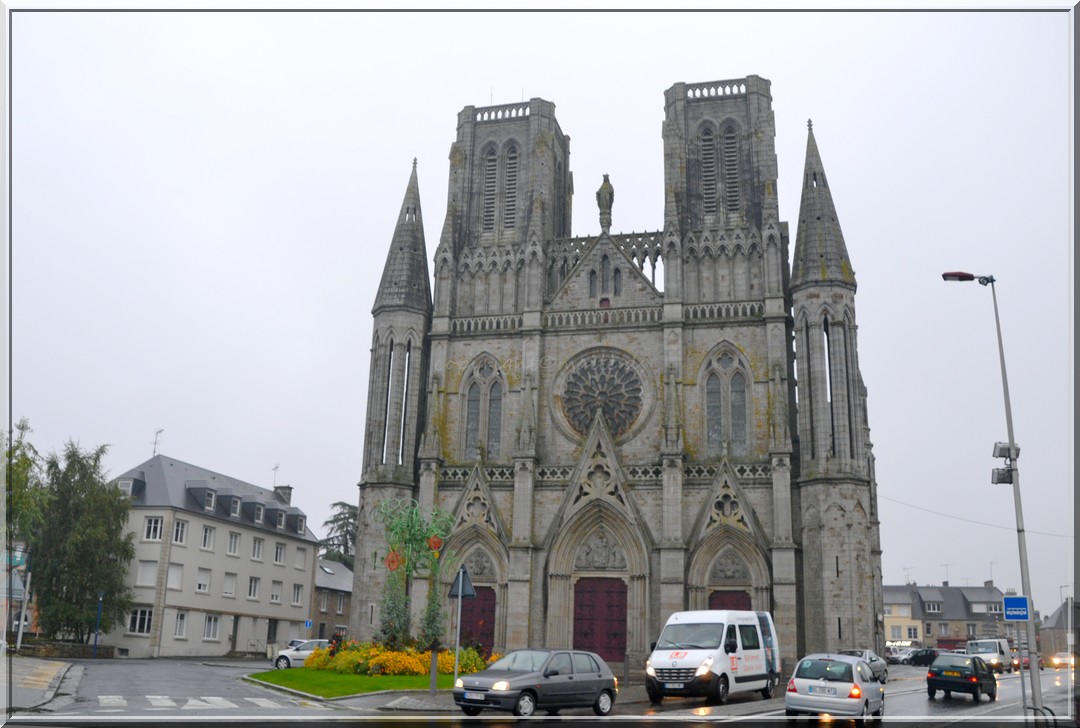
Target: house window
column 301, row 557
column 180, row 631
column 301, row 524
column 175, row 579
column 146, row 574
column 971, row 630
column 340, row 603
column 297, row 595
column 933, row 607
column 726, row 407
column 279, row 553
column 253, row 587
column 179, row 535
column 210, row 628
column 943, row 629
column 234, row 543
column 211, row 500
column 913, row 633
column 256, row 549
column 208, row 538
column 228, row 588
column 322, row 601
column 202, row 581
column 888, row 610
column 139, row 621
column 234, row 508
column 275, row 592
column 258, row 513
column 994, row 608
column 281, row 519
column 894, row 632
column 152, row 532
column 125, row 487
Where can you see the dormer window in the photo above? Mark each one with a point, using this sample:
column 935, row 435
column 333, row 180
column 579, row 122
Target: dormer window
column 125, row 486
column 211, row 500
column 281, row 519
column 234, row 508
column 301, row 524
column 258, row 513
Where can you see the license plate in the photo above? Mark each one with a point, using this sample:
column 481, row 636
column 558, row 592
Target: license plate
column 951, row 673
column 474, row 696
column 673, row 686
column 819, row 690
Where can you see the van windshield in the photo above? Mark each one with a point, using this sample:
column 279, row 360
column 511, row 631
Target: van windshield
column 981, row 648
column 691, row 636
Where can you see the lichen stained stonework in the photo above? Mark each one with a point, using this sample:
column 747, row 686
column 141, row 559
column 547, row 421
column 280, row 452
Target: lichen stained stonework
column 607, row 383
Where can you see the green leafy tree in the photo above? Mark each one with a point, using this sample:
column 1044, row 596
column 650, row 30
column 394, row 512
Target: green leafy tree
column 340, row 542
column 81, row 549
column 23, row 484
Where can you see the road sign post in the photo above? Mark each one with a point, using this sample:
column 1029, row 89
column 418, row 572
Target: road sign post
column 462, row 589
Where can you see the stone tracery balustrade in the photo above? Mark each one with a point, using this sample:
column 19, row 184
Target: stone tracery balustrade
column 485, row 324
column 712, row 89
column 732, row 310
column 604, row 317
column 504, row 112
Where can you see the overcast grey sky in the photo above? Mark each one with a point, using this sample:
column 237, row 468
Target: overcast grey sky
column 202, row 204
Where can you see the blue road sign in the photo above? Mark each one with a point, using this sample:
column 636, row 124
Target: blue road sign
column 1016, row 609
column 307, row 623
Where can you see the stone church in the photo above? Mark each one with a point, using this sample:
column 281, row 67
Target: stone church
column 627, row 425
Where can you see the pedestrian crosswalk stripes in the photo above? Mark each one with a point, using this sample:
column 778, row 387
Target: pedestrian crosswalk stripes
column 202, row 702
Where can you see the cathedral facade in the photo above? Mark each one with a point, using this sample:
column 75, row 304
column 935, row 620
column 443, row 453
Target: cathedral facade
column 627, row 425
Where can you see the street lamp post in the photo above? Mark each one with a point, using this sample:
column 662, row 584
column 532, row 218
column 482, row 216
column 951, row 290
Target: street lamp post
column 1014, row 472
column 97, row 627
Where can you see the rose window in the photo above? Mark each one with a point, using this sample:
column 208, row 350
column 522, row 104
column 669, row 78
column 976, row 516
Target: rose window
column 605, row 384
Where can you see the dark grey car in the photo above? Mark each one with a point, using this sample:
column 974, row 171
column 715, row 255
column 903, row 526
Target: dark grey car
column 525, row 681
column 877, row 664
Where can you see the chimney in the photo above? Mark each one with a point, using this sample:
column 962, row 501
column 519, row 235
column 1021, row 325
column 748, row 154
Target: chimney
column 283, row 493
column 945, row 583
column 989, row 583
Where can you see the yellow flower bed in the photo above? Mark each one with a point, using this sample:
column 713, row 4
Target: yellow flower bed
column 365, row 658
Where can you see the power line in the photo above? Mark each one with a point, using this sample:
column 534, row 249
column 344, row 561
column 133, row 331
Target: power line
column 972, row 520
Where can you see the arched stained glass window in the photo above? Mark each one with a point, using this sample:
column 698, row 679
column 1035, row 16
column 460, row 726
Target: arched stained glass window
column 738, row 414
column 472, row 422
column 713, row 418
column 605, row 274
column 592, row 284
column 617, row 281
column 494, row 423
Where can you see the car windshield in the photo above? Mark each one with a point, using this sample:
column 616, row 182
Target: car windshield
column 853, row 653
column 691, row 636
column 520, row 661
column 824, row 670
column 953, row 661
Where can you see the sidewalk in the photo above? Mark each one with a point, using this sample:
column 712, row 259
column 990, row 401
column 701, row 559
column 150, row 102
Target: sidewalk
column 33, row 680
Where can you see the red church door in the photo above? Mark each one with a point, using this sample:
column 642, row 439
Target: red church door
column 600, row 617
column 729, row 600
column 478, row 620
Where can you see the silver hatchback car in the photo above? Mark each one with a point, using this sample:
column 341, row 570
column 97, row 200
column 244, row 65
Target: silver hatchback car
column 525, row 681
column 834, row 684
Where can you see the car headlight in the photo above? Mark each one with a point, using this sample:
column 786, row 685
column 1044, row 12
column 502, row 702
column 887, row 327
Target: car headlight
column 705, row 668
column 459, row 683
column 501, row 685
column 649, row 669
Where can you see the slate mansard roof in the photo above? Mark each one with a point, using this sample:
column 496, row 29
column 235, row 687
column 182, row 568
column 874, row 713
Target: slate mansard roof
column 956, row 602
column 163, row 482
column 334, row 576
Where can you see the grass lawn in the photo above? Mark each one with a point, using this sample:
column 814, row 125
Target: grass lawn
column 330, row 684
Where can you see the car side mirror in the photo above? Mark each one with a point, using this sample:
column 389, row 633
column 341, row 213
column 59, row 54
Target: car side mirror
column 549, row 673
column 730, row 646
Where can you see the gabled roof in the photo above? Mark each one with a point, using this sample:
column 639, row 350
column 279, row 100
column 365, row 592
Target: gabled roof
column 334, row 576
column 1059, row 618
column 164, row 482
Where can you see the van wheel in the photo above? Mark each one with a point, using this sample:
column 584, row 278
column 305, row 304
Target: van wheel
column 720, row 692
column 770, row 687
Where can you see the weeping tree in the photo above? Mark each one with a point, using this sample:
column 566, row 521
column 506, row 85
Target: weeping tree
column 81, row 551
column 414, row 543
column 340, row 542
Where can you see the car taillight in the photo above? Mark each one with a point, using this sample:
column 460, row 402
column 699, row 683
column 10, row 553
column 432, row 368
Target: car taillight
column 855, row 692
column 791, row 686
column 973, row 679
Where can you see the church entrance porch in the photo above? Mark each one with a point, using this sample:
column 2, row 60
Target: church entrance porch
column 600, row 617
column 478, row 620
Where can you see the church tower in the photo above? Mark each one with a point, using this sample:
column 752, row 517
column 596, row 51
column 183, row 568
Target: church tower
column 398, row 370
column 836, row 488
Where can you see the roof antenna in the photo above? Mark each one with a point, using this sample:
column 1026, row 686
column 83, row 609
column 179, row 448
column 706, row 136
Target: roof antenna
column 275, row 474
column 156, row 440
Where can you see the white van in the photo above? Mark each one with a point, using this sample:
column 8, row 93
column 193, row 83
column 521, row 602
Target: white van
column 996, row 652
column 714, row 653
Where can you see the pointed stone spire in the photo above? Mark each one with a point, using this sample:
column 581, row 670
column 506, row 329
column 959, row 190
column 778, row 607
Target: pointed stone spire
column 405, row 282
column 820, row 253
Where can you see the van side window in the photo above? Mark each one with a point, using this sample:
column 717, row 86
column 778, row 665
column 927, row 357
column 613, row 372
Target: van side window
column 730, row 636
column 749, row 635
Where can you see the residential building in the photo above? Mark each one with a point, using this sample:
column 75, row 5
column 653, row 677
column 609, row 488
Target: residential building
column 1058, row 632
column 221, row 567
column 611, row 418
column 331, row 606
column 944, row 616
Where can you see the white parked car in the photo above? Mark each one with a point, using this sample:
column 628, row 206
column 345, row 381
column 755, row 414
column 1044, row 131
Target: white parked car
column 295, row 656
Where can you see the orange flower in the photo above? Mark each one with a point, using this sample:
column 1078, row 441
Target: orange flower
column 394, row 560
column 434, row 543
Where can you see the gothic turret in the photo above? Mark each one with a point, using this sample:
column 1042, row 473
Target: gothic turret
column 404, row 282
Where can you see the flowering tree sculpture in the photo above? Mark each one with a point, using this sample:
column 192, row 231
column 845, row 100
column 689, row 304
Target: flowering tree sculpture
column 414, row 546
